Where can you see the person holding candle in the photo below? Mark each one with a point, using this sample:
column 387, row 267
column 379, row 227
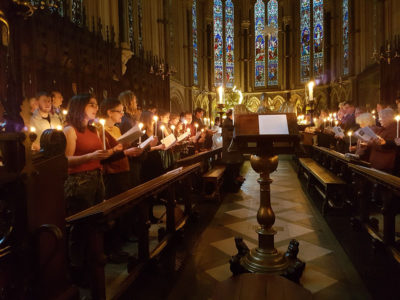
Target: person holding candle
column 383, row 149
column 198, row 117
column 84, row 185
column 361, row 149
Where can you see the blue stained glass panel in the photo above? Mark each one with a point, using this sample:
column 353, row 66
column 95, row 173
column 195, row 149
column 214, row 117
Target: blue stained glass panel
column 259, row 63
column 345, row 37
column 305, row 40
column 218, row 44
column 195, row 46
column 272, row 9
column 318, row 8
column 229, row 43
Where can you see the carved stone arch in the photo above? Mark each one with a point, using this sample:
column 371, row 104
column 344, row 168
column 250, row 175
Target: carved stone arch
column 277, row 103
column 335, row 99
column 297, row 103
column 253, row 103
column 203, row 103
column 321, row 102
column 177, row 101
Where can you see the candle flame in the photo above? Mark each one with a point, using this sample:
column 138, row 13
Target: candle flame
column 140, row 126
column 350, row 133
column 155, row 118
column 397, row 118
column 59, row 127
column 32, row 129
column 102, row 122
column 65, row 112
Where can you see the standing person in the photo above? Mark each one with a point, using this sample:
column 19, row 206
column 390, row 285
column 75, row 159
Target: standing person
column 129, row 101
column 198, row 117
column 84, row 185
column 56, row 101
column 42, row 118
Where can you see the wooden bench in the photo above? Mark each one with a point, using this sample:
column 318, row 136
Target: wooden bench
column 325, row 182
column 215, row 177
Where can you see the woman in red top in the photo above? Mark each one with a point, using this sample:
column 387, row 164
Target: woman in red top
column 84, row 185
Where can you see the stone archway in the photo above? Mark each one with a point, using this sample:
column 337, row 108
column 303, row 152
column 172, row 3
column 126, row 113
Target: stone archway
column 253, row 104
column 177, row 101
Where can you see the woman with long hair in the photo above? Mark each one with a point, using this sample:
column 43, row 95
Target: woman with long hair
column 84, row 185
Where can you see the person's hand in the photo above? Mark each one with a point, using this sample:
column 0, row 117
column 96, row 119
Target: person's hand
column 118, row 147
column 397, row 141
column 35, row 147
column 100, row 154
column 134, row 151
column 154, row 142
column 159, row 147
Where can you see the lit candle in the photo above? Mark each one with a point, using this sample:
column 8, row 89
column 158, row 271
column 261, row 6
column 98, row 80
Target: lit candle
column 59, row 127
column 162, row 127
column 397, row 120
column 196, row 125
column 184, row 123
column 349, row 134
column 233, row 116
column 140, row 128
column 315, row 121
column 155, row 118
column 220, row 93
column 311, row 90
column 65, row 112
column 32, row 129
column 103, row 122
column 173, row 129
column 324, row 122
column 212, row 123
column 336, row 123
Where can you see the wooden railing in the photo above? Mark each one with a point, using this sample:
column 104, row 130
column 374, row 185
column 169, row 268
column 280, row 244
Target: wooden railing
column 97, row 217
column 202, row 157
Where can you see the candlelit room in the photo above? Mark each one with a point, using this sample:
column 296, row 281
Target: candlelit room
column 199, row 149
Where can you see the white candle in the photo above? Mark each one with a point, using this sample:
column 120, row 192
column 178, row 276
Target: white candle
column 140, row 137
column 103, row 122
column 233, row 116
column 220, row 93
column 162, row 127
column 397, row 120
column 349, row 134
column 59, row 127
column 33, row 129
column 311, row 90
column 65, row 112
column 184, row 123
column 155, row 118
column 173, row 129
column 196, row 125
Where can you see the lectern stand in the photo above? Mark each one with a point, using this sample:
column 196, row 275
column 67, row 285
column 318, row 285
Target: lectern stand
column 264, row 136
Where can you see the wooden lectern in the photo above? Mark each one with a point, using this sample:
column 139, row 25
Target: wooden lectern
column 264, row 136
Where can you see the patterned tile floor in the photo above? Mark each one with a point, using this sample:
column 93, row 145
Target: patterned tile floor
column 328, row 275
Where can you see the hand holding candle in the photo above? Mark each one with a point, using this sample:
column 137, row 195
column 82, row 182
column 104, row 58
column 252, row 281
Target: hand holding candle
column 103, row 122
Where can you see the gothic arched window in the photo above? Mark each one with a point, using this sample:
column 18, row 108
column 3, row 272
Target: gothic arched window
column 224, row 35
column 345, row 21
column 195, row 47
column 316, row 18
column 273, row 43
column 259, row 16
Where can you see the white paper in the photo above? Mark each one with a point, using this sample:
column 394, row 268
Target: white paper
column 273, row 124
column 146, row 142
column 169, row 141
column 130, row 136
column 183, row 136
column 365, row 134
column 338, row 131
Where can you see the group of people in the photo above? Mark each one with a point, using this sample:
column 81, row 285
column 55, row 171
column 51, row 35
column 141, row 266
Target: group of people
column 102, row 167
column 382, row 151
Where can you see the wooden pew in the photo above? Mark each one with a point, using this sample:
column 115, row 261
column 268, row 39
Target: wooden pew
column 206, row 157
column 326, row 183
column 214, row 177
column 98, row 216
column 388, row 186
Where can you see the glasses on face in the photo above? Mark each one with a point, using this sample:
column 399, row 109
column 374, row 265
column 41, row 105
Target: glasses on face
column 94, row 105
column 118, row 111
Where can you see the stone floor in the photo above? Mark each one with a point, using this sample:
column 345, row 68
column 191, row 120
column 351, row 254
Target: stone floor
column 203, row 262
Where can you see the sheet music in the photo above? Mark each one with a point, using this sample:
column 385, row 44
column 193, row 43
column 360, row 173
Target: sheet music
column 338, row 131
column 146, row 142
column 130, row 136
column 183, row 136
column 365, row 134
column 169, row 141
column 273, row 124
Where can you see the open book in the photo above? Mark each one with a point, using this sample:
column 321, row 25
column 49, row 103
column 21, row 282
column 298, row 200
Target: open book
column 130, row 136
column 183, row 136
column 365, row 134
column 338, row 131
column 146, row 142
column 169, row 141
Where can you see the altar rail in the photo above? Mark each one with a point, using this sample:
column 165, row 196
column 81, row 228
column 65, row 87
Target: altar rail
column 136, row 199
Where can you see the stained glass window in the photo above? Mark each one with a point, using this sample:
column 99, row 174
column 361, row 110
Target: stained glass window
column 259, row 16
column 218, row 44
column 345, row 37
column 318, row 7
column 305, row 40
column 272, row 9
column 130, row 22
column 229, row 43
column 140, row 25
column 195, row 47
